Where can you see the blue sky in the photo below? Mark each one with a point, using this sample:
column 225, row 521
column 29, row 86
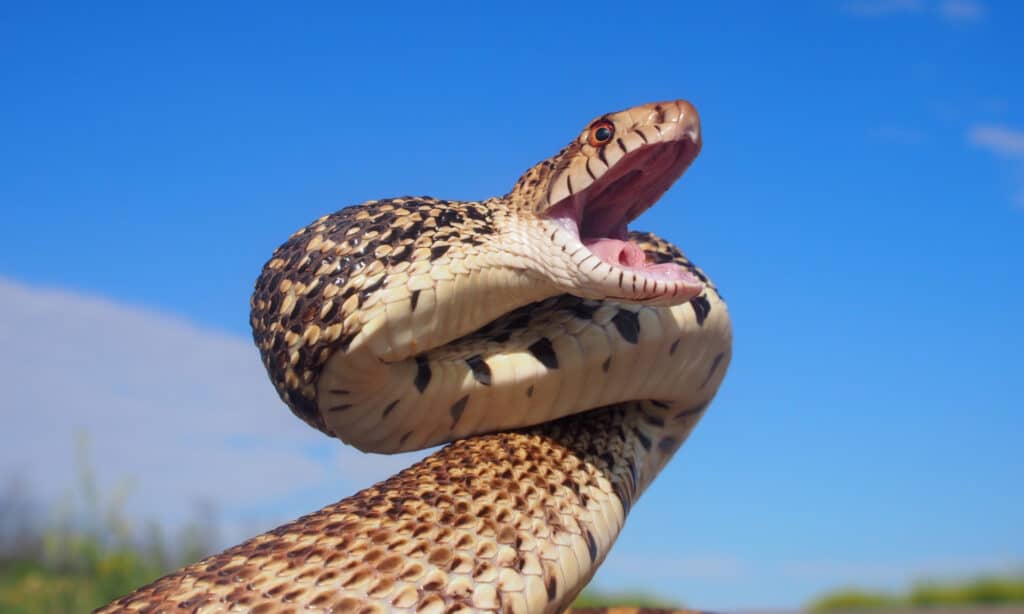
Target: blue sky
column 859, row 200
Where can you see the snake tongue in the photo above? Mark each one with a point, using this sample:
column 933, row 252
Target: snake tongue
column 627, row 255
column 617, row 252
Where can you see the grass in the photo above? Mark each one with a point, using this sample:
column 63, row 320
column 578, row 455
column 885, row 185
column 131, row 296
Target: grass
column 981, row 591
column 591, row 598
column 86, row 553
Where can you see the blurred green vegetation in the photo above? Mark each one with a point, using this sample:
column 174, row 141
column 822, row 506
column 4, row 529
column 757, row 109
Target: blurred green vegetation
column 980, row 591
column 84, row 553
column 591, row 598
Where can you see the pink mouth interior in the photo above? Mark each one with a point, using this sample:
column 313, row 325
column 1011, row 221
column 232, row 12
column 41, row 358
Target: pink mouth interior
column 600, row 213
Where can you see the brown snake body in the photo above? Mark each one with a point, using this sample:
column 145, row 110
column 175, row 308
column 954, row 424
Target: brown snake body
column 566, row 357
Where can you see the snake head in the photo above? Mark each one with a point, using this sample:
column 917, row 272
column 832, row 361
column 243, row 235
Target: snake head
column 578, row 204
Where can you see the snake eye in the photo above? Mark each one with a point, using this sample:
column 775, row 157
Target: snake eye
column 601, row 132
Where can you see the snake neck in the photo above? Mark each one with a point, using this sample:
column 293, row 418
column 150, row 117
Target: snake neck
column 407, row 366
column 364, row 292
column 410, row 367
column 355, row 306
column 509, row 522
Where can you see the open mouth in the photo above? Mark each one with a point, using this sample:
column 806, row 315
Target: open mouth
column 599, row 215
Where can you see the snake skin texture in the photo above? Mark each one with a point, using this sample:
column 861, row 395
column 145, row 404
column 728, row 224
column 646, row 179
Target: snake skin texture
column 563, row 357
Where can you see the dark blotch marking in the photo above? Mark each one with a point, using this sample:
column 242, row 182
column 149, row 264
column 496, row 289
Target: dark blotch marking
column 628, row 324
column 691, row 411
column 404, row 438
column 644, row 440
column 475, row 214
column 633, row 475
column 585, row 311
column 422, row 373
column 714, row 367
column 448, row 217
column 552, row 586
column 481, row 370
column 543, row 351
column 675, row 346
column 400, row 253
column 657, row 421
column 331, row 312
column 304, row 408
column 701, row 308
column 345, row 341
column 529, row 391
column 607, row 364
column 414, row 300
column 591, row 545
column 520, row 320
column 667, row 444
column 437, row 251
column 457, row 408
column 368, row 290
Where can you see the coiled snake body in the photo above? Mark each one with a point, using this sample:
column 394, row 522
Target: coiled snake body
column 566, row 357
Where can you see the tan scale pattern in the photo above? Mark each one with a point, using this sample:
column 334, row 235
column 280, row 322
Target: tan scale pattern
column 310, row 298
column 477, row 526
column 412, row 297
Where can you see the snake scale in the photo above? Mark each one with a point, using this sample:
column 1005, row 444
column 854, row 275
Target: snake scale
column 564, row 357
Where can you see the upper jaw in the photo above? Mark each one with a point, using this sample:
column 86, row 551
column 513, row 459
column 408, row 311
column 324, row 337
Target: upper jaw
column 595, row 197
column 656, row 126
column 606, row 205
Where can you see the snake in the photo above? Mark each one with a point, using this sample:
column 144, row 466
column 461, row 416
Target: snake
column 562, row 357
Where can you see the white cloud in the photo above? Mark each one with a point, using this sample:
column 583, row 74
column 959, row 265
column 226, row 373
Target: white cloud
column 187, row 414
column 956, row 11
column 963, row 11
column 900, row 134
column 880, row 8
column 1007, row 143
column 1000, row 140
